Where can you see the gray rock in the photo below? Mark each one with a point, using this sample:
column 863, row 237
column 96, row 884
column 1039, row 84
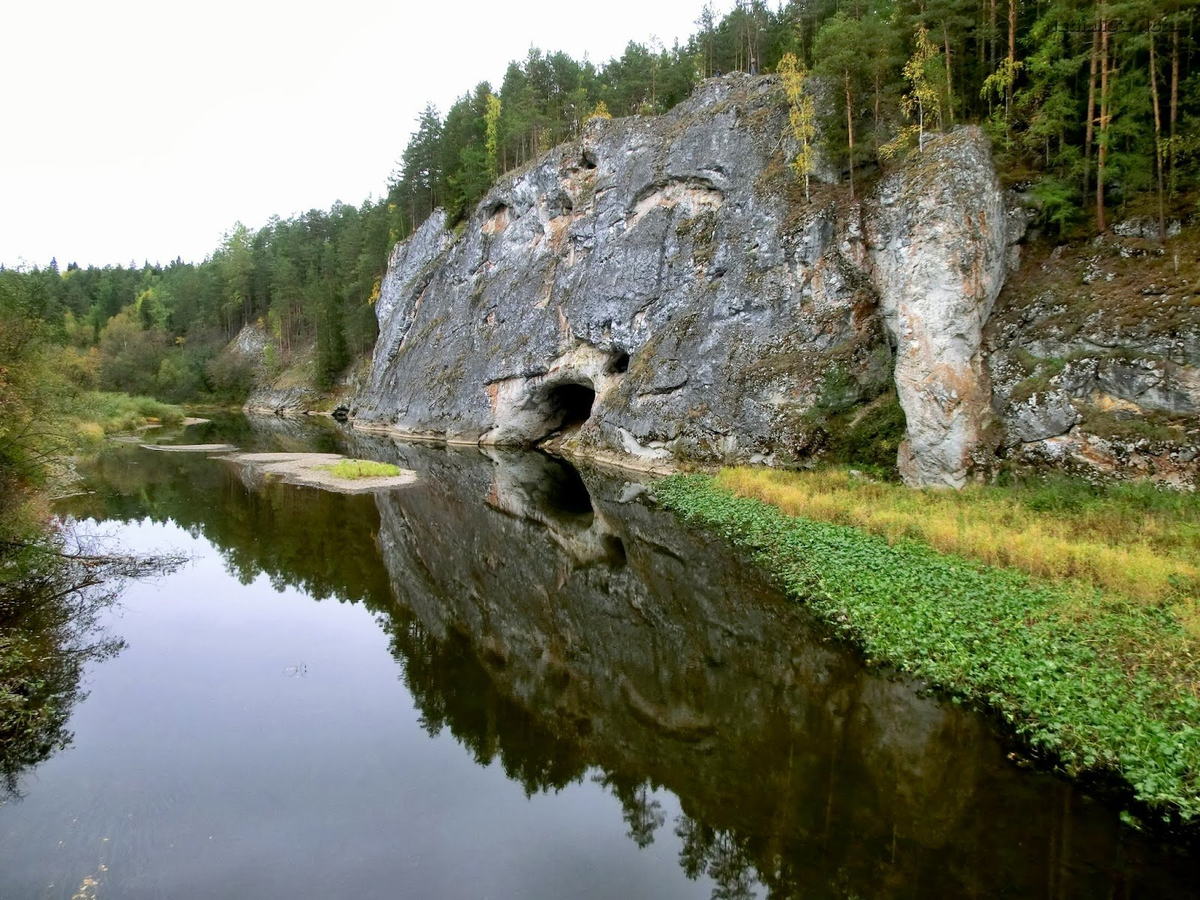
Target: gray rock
column 1043, row 415
column 1152, row 384
column 1145, row 227
column 654, row 285
column 939, row 233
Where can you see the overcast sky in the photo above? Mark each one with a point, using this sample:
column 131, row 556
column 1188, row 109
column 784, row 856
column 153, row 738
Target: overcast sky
column 144, row 130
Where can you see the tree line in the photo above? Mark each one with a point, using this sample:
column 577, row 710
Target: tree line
column 1091, row 104
column 164, row 331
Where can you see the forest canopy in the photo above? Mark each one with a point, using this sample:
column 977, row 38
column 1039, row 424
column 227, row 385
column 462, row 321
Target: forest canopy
column 1093, row 105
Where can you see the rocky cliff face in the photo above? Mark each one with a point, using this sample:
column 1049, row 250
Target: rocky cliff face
column 649, row 282
column 661, row 289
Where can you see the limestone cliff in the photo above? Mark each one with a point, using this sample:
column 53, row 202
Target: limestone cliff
column 651, row 281
column 661, row 288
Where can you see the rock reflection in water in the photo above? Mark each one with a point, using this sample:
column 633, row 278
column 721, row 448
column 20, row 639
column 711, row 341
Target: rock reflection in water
column 568, row 635
column 563, row 641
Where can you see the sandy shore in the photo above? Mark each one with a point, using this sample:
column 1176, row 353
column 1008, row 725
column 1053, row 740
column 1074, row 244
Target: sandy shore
column 309, row 469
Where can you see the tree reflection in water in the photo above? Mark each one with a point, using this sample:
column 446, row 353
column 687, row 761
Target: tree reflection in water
column 571, row 637
column 52, row 596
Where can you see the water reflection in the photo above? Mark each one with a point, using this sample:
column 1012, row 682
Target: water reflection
column 679, row 667
column 52, row 602
column 556, row 626
column 45, row 642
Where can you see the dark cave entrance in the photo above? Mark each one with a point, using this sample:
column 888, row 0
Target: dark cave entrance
column 569, row 405
column 619, row 364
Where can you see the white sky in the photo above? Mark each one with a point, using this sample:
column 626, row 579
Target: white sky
column 144, row 130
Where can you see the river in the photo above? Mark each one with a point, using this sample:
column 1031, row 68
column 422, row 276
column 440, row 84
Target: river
column 511, row 679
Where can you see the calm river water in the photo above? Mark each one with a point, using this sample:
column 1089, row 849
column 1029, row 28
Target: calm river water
column 509, row 680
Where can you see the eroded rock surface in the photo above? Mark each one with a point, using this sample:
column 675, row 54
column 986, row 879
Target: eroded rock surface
column 1094, row 357
column 652, row 282
column 939, row 237
column 659, row 289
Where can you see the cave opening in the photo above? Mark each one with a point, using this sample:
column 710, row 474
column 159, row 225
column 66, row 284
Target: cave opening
column 619, row 364
column 569, row 405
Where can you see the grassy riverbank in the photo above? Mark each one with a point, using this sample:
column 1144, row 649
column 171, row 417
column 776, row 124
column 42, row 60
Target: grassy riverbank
column 96, row 413
column 1133, row 539
column 1101, row 679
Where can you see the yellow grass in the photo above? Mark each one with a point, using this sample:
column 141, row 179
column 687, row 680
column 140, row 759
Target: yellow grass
column 362, row 468
column 1146, row 557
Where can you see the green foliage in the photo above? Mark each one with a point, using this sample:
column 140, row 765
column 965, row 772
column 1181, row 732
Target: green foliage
column 801, row 115
column 362, row 468
column 1059, row 205
column 230, row 376
column 838, row 51
column 925, row 74
column 31, row 391
column 491, row 131
column 311, row 280
column 120, row 412
column 868, row 436
column 1093, row 681
column 130, row 354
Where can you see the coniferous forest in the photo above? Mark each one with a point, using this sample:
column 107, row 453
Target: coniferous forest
column 1093, row 107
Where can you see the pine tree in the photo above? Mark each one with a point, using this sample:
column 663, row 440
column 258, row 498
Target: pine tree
column 492, row 131
column 838, row 50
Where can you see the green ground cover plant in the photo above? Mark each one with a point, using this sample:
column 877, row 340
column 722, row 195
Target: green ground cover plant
column 1097, row 681
column 1134, row 539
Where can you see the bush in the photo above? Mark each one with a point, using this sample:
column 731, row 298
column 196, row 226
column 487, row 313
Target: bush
column 1059, row 208
column 231, row 375
column 111, row 412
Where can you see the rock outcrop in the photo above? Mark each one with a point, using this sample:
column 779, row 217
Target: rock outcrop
column 939, row 237
column 287, row 390
column 1094, row 356
column 651, row 282
column 660, row 289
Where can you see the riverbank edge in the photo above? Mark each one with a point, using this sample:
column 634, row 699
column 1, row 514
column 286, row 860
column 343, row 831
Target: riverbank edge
column 988, row 635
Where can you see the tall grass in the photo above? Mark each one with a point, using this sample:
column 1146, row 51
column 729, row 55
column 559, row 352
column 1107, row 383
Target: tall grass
column 1138, row 541
column 97, row 413
column 362, row 468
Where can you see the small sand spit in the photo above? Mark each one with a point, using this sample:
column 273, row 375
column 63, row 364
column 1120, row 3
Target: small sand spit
column 190, row 448
column 307, row 469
